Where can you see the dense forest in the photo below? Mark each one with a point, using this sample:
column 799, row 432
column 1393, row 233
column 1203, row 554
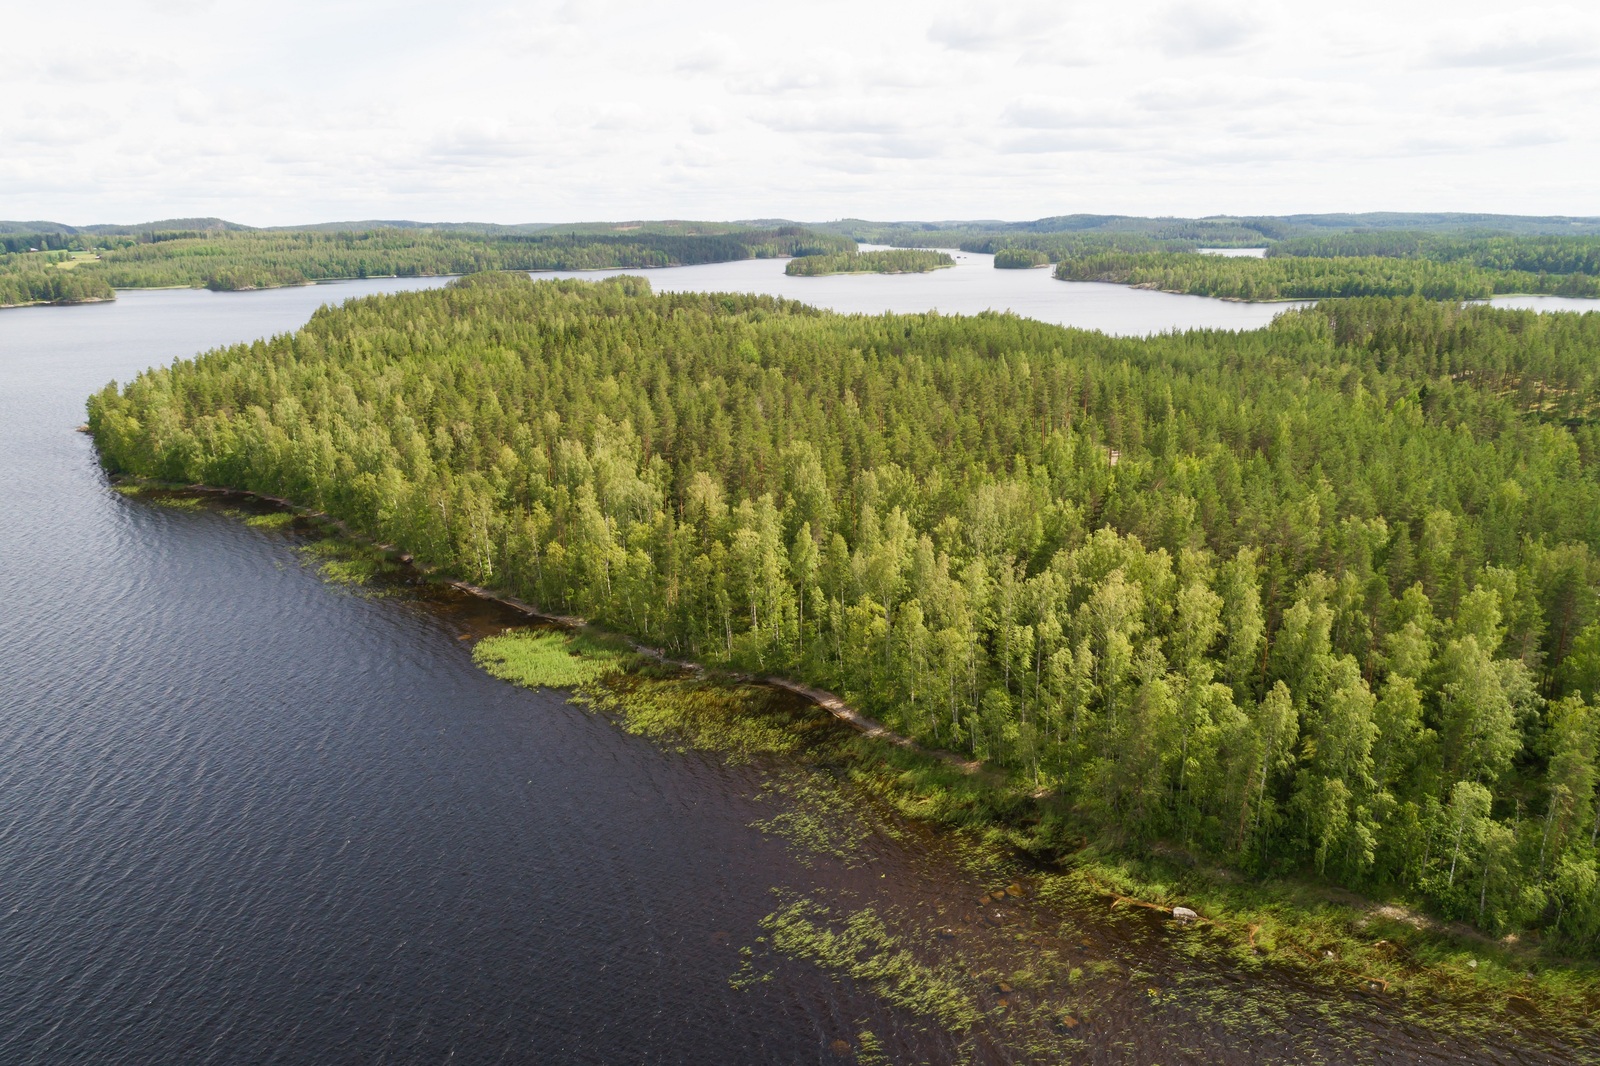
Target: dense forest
column 1319, row 598
column 897, row 261
column 1306, row 278
column 232, row 259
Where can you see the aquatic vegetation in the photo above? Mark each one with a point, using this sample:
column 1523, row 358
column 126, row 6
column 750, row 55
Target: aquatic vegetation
column 860, row 946
column 693, row 713
column 270, row 520
column 345, row 562
column 540, row 658
column 175, row 503
column 819, row 818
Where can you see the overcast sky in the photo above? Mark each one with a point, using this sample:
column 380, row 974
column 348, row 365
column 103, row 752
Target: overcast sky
column 289, row 111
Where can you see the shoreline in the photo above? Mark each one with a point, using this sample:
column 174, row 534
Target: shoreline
column 828, row 701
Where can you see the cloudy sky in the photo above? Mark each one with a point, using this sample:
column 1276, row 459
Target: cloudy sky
column 291, row 111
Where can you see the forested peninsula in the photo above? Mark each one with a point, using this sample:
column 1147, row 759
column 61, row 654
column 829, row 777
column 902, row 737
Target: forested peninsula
column 894, row 261
column 1299, row 277
column 236, row 259
column 1315, row 600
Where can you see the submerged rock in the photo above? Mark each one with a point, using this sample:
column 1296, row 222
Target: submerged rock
column 1184, row 914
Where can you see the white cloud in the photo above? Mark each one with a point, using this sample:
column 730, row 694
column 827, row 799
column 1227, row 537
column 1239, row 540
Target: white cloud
column 547, row 110
column 1201, row 29
column 1514, row 50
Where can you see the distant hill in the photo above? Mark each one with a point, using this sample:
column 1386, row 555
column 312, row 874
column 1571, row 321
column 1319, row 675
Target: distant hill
column 1225, row 228
column 1228, row 229
column 108, row 229
column 34, row 227
column 1450, row 221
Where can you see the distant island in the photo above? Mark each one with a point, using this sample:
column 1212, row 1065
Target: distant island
column 44, row 263
column 1020, row 259
column 897, row 261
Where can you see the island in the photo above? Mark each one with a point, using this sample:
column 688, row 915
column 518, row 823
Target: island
column 893, row 261
column 1020, row 259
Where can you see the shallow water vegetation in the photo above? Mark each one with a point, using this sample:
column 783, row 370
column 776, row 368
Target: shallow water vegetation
column 270, row 520
column 688, row 713
column 542, row 658
column 341, row 561
column 818, row 818
column 174, row 502
column 859, row 945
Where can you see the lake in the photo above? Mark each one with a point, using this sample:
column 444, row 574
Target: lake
column 973, row 285
column 247, row 816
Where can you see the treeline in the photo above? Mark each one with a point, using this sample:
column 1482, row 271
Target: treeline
column 228, row 261
column 913, row 261
column 1306, row 278
column 40, row 242
column 1316, row 598
column 252, row 259
column 1529, row 254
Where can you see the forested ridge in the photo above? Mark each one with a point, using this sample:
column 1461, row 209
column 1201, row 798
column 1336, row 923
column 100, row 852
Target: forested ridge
column 252, row 259
column 892, row 261
column 1317, row 599
column 1529, row 254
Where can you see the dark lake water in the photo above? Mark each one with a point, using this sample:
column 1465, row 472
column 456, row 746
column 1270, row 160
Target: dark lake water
column 249, row 817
